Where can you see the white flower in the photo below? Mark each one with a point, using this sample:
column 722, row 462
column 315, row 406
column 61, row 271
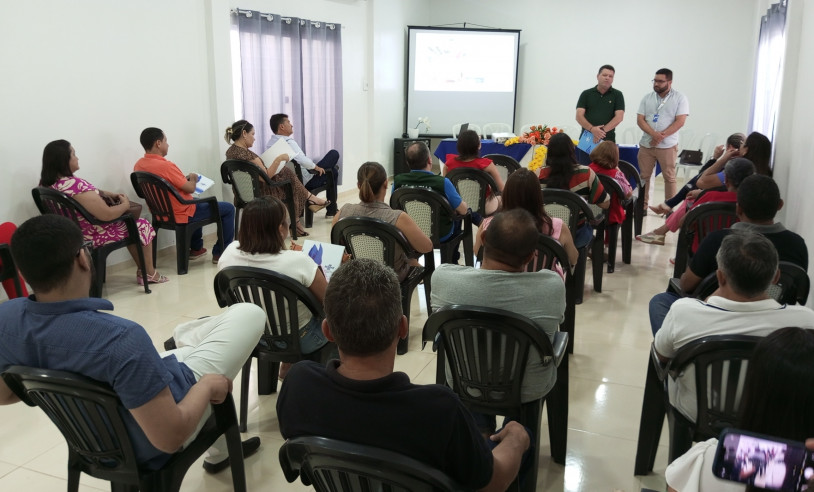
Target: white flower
column 425, row 120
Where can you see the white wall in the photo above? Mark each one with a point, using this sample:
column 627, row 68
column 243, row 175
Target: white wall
column 708, row 45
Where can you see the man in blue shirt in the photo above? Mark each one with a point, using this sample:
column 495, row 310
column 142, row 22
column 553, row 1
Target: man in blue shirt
column 168, row 396
column 282, row 128
column 419, row 159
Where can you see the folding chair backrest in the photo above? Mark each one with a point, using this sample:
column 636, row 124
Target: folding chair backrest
column 245, row 179
column 368, row 237
column 698, row 223
column 424, row 207
column 472, row 185
column 337, row 466
column 158, row 194
column 51, row 201
column 505, row 164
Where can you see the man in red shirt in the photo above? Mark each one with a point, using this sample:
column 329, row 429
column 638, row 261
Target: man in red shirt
column 155, row 145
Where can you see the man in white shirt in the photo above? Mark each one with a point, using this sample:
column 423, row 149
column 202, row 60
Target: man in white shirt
column 282, row 128
column 747, row 265
column 661, row 114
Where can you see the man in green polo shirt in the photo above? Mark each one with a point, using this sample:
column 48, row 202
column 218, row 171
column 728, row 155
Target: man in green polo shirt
column 600, row 109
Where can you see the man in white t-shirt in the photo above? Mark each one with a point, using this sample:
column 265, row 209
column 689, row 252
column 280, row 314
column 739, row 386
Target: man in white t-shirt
column 661, row 114
column 747, row 265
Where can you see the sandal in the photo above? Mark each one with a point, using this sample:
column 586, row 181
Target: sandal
column 315, row 207
column 155, row 278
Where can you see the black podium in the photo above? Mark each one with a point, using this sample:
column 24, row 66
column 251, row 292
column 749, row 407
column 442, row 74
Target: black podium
column 399, row 148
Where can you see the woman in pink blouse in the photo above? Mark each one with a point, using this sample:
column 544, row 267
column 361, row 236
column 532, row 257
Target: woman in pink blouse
column 59, row 163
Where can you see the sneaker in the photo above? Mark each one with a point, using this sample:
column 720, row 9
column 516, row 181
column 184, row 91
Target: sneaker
column 250, row 446
column 215, row 259
column 651, row 238
column 194, row 254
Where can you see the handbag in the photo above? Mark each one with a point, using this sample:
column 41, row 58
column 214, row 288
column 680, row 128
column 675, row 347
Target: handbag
column 693, row 157
column 134, row 210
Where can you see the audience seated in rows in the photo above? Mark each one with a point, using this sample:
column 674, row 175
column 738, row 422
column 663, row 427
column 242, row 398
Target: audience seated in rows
column 522, row 191
column 168, row 395
column 757, row 148
column 263, row 242
column 469, row 145
column 241, row 134
column 154, row 162
column 747, row 265
column 736, row 171
column 562, row 171
column 59, row 163
column 371, row 179
column 283, row 129
column 419, row 159
column 778, row 400
column 502, row 282
column 758, row 202
column 732, row 148
column 359, row 398
column 6, row 231
column 605, row 160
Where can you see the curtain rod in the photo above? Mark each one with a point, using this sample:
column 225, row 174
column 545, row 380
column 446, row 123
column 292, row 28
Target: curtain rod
column 287, row 20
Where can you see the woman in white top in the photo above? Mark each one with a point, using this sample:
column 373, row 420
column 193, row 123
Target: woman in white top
column 262, row 242
column 778, row 400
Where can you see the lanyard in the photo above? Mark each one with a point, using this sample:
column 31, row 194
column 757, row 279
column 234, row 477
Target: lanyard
column 664, row 101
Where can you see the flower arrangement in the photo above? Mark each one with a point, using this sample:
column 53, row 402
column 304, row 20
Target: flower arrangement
column 538, row 135
column 425, row 120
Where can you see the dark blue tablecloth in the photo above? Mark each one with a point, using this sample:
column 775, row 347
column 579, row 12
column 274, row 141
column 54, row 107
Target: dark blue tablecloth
column 448, row 146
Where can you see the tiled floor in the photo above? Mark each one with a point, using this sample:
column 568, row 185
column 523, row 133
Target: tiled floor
column 607, row 377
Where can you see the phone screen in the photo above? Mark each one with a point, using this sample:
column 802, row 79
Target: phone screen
column 763, row 461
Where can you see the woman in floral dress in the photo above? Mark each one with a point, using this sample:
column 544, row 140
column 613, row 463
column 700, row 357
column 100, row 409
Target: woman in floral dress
column 59, row 163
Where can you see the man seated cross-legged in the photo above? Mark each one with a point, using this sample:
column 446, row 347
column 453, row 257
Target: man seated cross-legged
column 359, row 398
column 59, row 327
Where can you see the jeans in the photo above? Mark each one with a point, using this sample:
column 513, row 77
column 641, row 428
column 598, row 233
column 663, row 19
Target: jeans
column 659, row 306
column 488, row 423
column 227, row 218
column 329, row 164
column 583, row 236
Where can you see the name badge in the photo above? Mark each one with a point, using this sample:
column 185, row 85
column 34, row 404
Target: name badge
column 655, row 118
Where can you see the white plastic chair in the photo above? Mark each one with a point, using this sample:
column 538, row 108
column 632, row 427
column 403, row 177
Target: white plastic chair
column 491, row 128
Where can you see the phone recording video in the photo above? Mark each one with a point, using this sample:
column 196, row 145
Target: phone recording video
column 763, row 461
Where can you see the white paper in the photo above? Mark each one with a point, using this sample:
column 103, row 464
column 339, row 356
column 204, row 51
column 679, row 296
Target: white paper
column 327, row 255
column 203, row 184
column 279, row 148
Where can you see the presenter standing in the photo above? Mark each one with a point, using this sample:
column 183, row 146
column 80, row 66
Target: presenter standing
column 600, row 109
column 661, row 114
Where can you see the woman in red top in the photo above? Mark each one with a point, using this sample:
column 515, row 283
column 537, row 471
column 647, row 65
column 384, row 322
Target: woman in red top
column 469, row 156
column 605, row 160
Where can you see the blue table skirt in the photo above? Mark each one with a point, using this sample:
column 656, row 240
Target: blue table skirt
column 448, row 146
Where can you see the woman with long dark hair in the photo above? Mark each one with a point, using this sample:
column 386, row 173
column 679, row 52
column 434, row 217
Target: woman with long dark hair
column 757, row 148
column 561, row 171
column 522, row 190
column 778, row 400
column 59, row 163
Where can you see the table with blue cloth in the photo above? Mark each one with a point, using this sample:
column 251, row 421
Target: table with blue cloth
column 449, row 146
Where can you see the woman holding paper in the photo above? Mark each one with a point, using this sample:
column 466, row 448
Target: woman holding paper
column 263, row 242
column 59, row 163
column 241, row 135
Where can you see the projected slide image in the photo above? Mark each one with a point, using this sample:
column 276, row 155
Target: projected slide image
column 464, row 62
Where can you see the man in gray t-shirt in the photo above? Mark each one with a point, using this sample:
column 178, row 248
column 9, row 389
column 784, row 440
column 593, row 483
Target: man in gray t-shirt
column 502, row 282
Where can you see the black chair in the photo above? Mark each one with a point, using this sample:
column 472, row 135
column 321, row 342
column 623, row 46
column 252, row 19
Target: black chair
column 330, row 465
column 426, row 207
column 51, row 201
column 506, row 164
column 329, row 184
column 159, row 195
column 88, row 414
column 700, row 221
column 719, row 363
column 792, row 287
column 487, row 350
column 569, row 206
column 472, row 184
column 279, row 296
column 366, row 237
column 549, row 253
column 248, row 181
column 615, row 190
column 635, row 208
column 9, row 270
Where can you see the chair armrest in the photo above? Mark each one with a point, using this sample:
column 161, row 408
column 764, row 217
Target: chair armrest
column 674, row 286
column 559, row 346
column 661, row 369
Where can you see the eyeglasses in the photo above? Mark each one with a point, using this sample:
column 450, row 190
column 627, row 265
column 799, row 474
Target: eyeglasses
column 85, row 245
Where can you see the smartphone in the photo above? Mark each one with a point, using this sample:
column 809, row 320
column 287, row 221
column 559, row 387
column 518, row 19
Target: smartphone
column 762, row 461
